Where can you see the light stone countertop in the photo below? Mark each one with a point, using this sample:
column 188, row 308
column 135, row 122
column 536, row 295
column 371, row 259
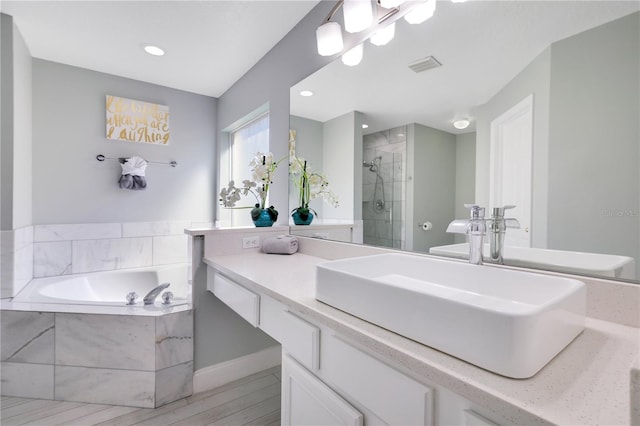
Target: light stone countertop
column 588, row 383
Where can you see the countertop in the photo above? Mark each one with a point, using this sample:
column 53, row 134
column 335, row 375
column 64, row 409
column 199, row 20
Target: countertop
column 588, row 383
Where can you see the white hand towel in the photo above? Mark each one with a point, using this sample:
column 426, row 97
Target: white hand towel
column 134, row 166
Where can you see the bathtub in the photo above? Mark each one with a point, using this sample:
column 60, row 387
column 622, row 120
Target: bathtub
column 108, row 288
column 74, row 338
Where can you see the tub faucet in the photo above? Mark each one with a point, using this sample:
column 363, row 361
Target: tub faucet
column 150, row 298
column 497, row 227
column 476, row 228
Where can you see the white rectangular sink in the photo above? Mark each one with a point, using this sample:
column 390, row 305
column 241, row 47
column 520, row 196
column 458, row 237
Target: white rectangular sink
column 509, row 322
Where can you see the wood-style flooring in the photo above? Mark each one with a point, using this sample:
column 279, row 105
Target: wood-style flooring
column 253, row 400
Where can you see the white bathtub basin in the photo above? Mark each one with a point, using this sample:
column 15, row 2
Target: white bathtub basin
column 508, row 322
column 573, row 262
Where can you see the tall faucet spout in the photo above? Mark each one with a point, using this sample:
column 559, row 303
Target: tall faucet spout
column 150, row 298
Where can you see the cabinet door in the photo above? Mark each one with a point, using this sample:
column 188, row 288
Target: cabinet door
column 308, row 401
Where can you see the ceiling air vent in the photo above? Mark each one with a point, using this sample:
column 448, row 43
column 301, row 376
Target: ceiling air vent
column 424, row 64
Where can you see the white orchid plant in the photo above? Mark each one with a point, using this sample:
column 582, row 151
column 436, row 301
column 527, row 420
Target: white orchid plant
column 309, row 184
column 262, row 169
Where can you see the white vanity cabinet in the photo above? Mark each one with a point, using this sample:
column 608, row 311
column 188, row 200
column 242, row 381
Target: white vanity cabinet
column 308, row 401
column 328, row 380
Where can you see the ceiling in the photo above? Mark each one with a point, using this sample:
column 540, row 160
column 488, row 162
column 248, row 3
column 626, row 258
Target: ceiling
column 209, row 44
column 482, row 45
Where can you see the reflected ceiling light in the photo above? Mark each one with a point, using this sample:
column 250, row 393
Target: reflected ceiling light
column 365, row 126
column 153, row 50
column 358, row 15
column 421, row 12
column 353, row 56
column 462, row 123
column 458, row 1
column 329, row 39
column 384, row 36
column 306, row 93
column 390, row 4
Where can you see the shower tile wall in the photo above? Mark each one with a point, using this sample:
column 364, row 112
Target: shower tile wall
column 383, row 191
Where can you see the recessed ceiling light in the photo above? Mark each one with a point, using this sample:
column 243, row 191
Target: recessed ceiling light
column 365, row 126
column 153, row 50
column 306, row 93
column 461, row 124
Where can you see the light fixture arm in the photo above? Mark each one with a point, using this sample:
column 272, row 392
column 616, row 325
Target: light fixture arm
column 333, row 11
column 381, row 19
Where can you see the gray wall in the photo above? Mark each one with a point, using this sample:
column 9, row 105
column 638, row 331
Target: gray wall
column 16, row 143
column 434, row 174
column 535, row 78
column 465, row 177
column 594, row 148
column 71, row 186
column 342, row 143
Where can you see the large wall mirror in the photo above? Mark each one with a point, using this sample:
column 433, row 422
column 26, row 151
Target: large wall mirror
column 552, row 93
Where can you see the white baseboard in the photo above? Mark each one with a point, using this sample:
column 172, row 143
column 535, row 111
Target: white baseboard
column 220, row 374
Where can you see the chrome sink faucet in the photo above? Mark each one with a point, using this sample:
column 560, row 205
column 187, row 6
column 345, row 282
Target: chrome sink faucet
column 475, row 228
column 497, row 227
column 150, row 298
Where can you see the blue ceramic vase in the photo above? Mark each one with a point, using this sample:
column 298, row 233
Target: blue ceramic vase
column 297, row 219
column 263, row 220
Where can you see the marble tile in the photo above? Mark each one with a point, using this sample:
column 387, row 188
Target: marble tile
column 105, row 386
column 23, row 237
column 170, row 249
column 105, row 341
column 79, row 231
column 51, row 259
column 27, row 380
column 174, row 339
column 104, row 255
column 154, row 229
column 23, row 267
column 27, row 337
column 174, row 383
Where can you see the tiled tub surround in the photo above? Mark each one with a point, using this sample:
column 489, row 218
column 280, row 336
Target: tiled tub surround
column 140, row 358
column 63, row 249
column 78, row 248
column 16, row 248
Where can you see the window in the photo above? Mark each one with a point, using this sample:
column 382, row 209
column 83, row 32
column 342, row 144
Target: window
column 244, row 141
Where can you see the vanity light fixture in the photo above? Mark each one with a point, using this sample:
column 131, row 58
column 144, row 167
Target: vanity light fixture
column 153, row 50
column 329, row 39
column 353, row 56
column 358, row 15
column 306, row 93
column 421, row 12
column 462, row 123
column 384, row 36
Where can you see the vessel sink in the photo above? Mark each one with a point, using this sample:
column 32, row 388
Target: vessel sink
column 509, row 322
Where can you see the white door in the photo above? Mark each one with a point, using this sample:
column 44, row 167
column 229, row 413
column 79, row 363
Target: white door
column 510, row 168
column 308, row 401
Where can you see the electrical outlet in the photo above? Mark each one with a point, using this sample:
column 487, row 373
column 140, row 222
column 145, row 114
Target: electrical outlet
column 250, row 242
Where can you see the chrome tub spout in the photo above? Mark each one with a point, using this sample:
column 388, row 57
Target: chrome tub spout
column 150, row 298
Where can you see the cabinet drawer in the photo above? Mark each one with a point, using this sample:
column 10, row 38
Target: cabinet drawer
column 390, row 395
column 300, row 338
column 244, row 302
